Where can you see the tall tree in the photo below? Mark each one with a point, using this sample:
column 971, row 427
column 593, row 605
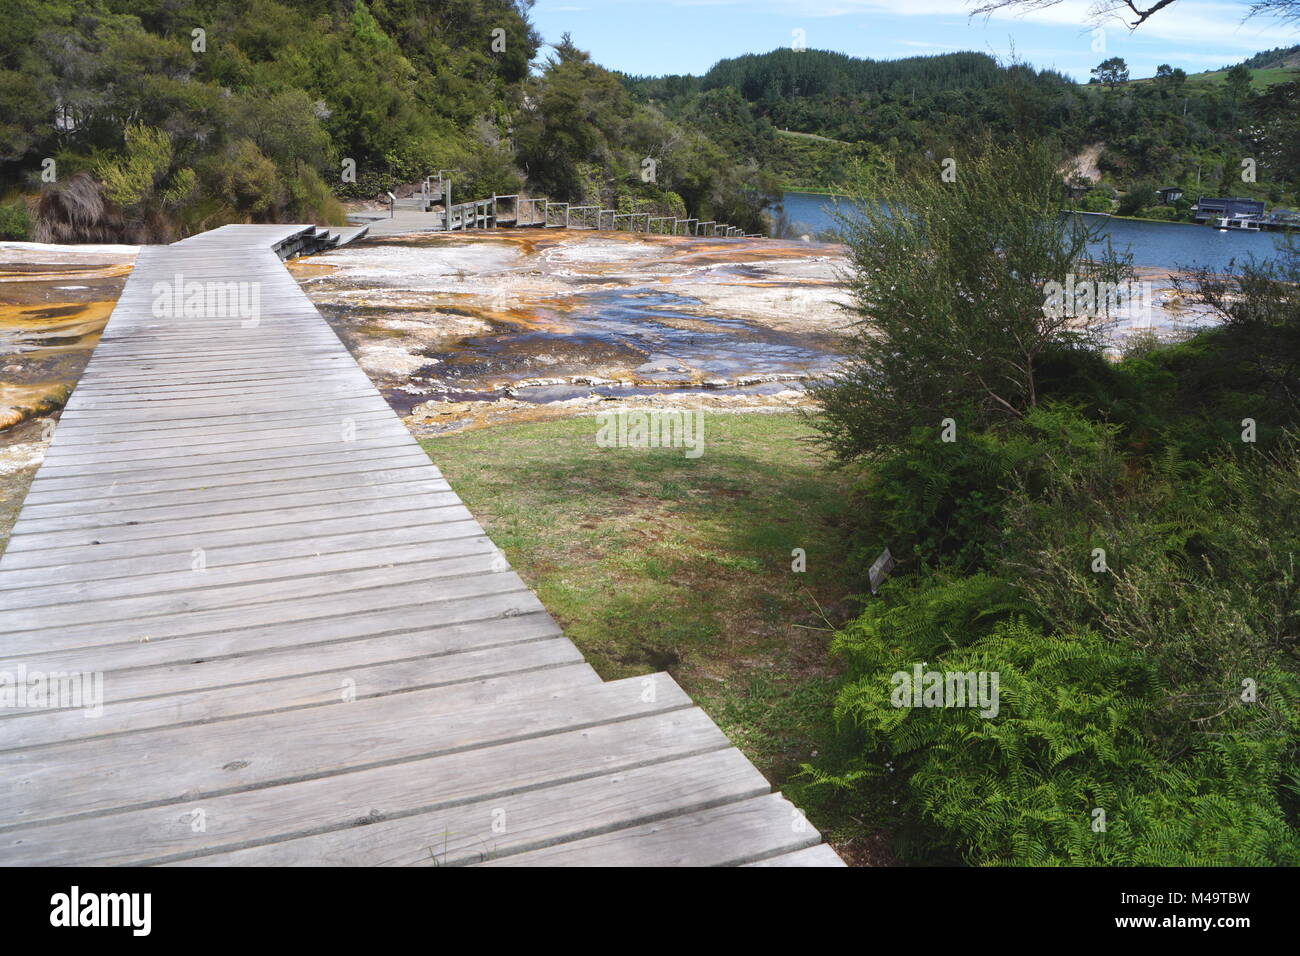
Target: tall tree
column 1111, row 72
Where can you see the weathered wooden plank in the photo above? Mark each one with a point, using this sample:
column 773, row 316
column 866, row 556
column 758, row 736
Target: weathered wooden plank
column 150, row 429
column 227, row 383
column 290, row 385
column 247, row 453
column 411, row 474
column 357, row 680
column 360, row 519
column 201, row 465
column 175, row 406
column 52, row 487
column 200, row 440
column 140, row 375
column 724, row 836
column 452, row 627
column 472, row 556
column 207, row 578
column 325, row 551
column 276, row 499
column 273, row 499
column 143, row 769
column 93, row 424
column 195, row 528
column 414, row 591
column 503, row 825
column 363, row 797
column 820, row 855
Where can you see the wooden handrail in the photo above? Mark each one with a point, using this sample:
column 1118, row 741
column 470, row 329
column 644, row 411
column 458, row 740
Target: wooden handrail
column 486, row 213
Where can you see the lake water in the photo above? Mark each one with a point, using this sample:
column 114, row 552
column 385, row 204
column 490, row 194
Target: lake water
column 1162, row 245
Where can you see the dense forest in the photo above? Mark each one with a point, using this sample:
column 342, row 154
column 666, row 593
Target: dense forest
column 148, row 119
column 813, row 117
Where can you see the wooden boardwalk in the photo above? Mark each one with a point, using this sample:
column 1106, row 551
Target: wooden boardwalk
column 432, row 210
column 310, row 652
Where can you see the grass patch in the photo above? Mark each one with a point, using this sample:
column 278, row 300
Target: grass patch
column 654, row 561
column 1260, row 79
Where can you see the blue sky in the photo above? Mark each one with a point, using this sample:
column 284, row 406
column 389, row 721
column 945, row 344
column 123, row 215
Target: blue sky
column 688, row 36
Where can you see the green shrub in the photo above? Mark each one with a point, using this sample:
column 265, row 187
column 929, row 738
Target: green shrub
column 15, row 221
column 131, row 178
column 1138, row 197
column 933, row 502
column 1166, row 213
column 1071, row 737
column 488, row 171
column 1096, row 200
column 1123, row 689
column 247, row 180
column 310, row 200
column 952, row 300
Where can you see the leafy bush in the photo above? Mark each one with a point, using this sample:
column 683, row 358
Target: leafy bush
column 488, row 171
column 951, row 300
column 943, row 503
column 15, row 221
column 1096, row 200
column 1138, row 197
column 1071, row 737
column 310, row 200
column 1125, row 691
column 131, row 179
column 247, row 179
column 1165, row 213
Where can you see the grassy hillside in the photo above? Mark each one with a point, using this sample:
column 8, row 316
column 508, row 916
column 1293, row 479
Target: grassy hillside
column 1260, row 79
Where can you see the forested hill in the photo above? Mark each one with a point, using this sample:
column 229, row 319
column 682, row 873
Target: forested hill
column 1287, row 57
column 143, row 120
column 1166, row 130
column 784, row 74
